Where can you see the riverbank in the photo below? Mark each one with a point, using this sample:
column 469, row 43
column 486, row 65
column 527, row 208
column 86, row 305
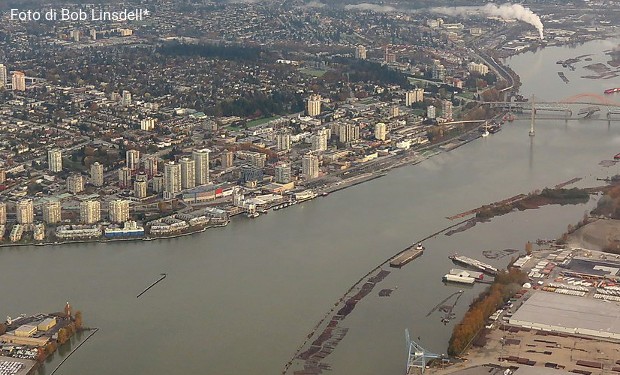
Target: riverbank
column 410, row 157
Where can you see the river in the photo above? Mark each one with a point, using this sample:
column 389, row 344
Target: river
column 241, row 299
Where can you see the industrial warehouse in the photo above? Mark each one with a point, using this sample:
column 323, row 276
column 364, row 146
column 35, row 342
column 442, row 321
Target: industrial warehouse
column 566, row 319
column 552, row 312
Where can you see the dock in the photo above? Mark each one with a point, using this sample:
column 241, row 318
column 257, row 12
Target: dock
column 406, row 256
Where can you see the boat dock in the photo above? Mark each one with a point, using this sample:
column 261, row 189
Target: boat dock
column 486, row 268
column 406, row 256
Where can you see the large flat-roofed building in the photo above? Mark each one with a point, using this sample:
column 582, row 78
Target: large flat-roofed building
column 562, row 313
column 47, row 324
column 26, row 331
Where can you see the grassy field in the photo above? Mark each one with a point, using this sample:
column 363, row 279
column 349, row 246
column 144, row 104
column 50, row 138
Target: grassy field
column 313, row 72
column 261, row 121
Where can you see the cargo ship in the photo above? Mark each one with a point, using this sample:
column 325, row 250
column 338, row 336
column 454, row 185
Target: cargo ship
column 611, row 91
column 486, row 268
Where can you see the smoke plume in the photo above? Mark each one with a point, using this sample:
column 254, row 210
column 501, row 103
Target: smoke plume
column 373, row 7
column 504, row 11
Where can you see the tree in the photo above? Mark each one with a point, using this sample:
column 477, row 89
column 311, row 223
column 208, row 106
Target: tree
column 78, row 319
column 63, row 336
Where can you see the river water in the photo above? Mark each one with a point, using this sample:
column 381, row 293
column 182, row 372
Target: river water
column 241, row 299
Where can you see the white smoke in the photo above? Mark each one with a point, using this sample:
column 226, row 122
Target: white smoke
column 314, row 4
column 504, row 11
column 373, row 7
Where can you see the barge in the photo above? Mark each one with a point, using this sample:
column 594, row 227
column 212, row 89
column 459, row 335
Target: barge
column 407, row 255
column 476, row 264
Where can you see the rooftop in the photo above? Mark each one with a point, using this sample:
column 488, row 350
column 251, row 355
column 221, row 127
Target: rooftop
column 569, row 314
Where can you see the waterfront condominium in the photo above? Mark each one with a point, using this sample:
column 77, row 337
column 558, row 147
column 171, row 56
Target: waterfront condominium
column 201, row 159
column 188, row 173
column 24, row 210
column 118, row 210
column 283, row 173
column 90, row 212
column 51, row 212
column 310, row 166
column 2, row 213
column 172, row 179
column 54, row 160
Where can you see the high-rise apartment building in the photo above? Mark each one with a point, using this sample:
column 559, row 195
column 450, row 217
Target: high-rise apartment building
column 446, row 109
column 90, row 212
column 172, row 179
column 150, row 166
column 51, row 212
column 283, row 173
column 132, row 159
column 126, row 99
column 158, row 182
column 139, row 189
column 54, row 160
column 414, row 96
column 3, row 76
column 430, row 112
column 310, row 166
column 319, row 140
column 380, row 131
column 314, row 105
column 118, row 211
column 24, row 210
column 18, row 81
column 227, row 159
column 360, row 52
column 188, row 173
column 96, row 174
column 75, row 183
column 2, row 213
column 124, row 177
column 349, row 133
column 283, row 141
column 201, row 160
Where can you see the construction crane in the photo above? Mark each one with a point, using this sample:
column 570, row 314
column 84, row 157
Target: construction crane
column 417, row 356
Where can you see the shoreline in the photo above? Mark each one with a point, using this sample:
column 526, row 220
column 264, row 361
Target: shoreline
column 410, row 157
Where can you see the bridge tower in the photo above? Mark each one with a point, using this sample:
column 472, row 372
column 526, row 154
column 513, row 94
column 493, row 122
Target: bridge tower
column 417, row 356
column 532, row 133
